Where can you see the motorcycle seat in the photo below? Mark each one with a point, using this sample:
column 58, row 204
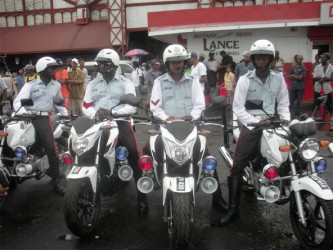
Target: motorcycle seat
column 303, row 128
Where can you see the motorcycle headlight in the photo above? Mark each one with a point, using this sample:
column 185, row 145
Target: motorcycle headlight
column 309, row 149
column 180, row 153
column 121, row 153
column 80, row 146
column 320, row 164
column 20, row 152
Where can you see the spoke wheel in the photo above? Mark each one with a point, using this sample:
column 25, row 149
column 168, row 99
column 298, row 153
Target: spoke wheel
column 317, row 233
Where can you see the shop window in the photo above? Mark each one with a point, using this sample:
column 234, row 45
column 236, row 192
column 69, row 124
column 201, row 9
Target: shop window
column 9, row 6
column 29, row 4
column 58, row 18
column 30, row 20
column 95, row 15
column 67, row 17
column 104, row 14
column 11, row 21
column 47, row 18
column 3, row 23
column 19, row 21
column 39, row 19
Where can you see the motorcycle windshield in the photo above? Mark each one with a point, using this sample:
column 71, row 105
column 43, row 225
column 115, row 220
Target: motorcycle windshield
column 179, row 129
column 82, row 124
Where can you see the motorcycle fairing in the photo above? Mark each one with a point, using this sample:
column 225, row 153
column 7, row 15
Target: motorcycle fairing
column 82, row 124
column 313, row 184
column 179, row 129
column 178, row 185
column 110, row 155
column 270, row 143
column 20, row 133
column 78, row 172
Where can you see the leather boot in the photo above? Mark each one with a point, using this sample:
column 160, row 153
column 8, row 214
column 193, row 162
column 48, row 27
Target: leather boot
column 234, row 184
column 217, row 201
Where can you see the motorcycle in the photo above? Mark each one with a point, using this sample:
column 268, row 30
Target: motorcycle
column 21, row 158
column 100, row 167
column 286, row 169
column 179, row 165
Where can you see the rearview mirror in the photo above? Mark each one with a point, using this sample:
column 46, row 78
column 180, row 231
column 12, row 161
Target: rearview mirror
column 58, row 101
column 254, row 104
column 218, row 100
column 27, row 102
column 130, row 99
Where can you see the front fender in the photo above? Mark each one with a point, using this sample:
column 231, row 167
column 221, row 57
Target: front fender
column 313, row 184
column 78, row 172
column 178, row 185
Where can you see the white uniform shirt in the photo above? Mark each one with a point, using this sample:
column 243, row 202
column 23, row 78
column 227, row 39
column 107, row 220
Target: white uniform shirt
column 41, row 95
column 171, row 99
column 99, row 94
column 197, row 71
column 136, row 73
column 3, row 85
column 250, row 87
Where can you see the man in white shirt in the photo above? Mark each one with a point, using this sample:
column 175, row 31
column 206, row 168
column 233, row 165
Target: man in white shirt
column 212, row 67
column 198, row 70
column 137, row 77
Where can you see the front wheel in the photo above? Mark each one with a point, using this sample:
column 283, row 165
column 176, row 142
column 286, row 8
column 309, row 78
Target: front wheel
column 179, row 218
column 81, row 211
column 317, row 233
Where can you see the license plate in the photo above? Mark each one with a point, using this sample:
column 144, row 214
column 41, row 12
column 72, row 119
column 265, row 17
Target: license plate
column 180, row 184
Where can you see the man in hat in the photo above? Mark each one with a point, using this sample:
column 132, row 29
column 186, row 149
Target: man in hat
column 76, row 88
column 29, row 71
column 198, row 70
column 243, row 67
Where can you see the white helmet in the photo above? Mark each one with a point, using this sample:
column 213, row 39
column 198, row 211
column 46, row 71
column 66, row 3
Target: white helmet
column 175, row 52
column 108, row 55
column 45, row 62
column 262, row 47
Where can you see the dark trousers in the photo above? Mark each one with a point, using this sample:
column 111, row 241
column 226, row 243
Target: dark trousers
column 45, row 139
column 246, row 149
column 127, row 139
column 296, row 95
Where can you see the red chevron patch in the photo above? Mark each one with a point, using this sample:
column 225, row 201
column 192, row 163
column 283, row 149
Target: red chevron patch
column 156, row 102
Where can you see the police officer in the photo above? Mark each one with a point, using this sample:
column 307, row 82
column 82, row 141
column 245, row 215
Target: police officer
column 264, row 84
column 177, row 94
column 103, row 93
column 42, row 91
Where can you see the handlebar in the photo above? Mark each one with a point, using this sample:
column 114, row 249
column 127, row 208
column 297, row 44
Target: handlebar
column 265, row 124
column 211, row 119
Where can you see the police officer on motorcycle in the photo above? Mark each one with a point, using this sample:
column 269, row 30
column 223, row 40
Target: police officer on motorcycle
column 103, row 93
column 42, row 91
column 270, row 87
column 177, row 94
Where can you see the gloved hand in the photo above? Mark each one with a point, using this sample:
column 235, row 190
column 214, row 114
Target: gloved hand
column 170, row 119
column 188, row 118
column 102, row 113
column 285, row 123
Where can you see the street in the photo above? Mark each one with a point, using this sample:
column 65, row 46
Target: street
column 32, row 217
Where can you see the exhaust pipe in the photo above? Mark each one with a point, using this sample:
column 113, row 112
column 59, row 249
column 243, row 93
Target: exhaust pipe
column 226, row 156
column 145, row 185
column 209, row 185
column 22, row 170
column 125, row 173
column 270, row 194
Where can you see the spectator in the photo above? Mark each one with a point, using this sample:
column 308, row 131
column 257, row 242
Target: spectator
column 278, row 62
column 137, row 77
column 3, row 95
column 162, row 69
column 68, row 64
column 229, row 84
column 202, row 57
column 226, row 61
column 212, row 67
column 296, row 75
column 29, row 71
column 62, row 77
column 323, row 75
column 76, row 90
column 243, row 67
column 198, row 70
column 84, row 72
column 20, row 80
column 152, row 74
column 95, row 73
column 316, row 62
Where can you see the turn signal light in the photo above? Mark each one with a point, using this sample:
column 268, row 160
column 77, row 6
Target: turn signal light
column 67, row 159
column 3, row 134
column 324, row 144
column 285, row 148
column 270, row 171
column 145, row 163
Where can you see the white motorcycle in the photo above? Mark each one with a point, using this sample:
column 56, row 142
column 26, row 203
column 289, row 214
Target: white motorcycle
column 21, row 158
column 287, row 169
column 177, row 164
column 100, row 167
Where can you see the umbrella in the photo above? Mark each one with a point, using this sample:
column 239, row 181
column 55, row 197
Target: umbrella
column 136, row 52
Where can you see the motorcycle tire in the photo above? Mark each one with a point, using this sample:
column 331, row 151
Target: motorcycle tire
column 179, row 218
column 318, row 232
column 81, row 212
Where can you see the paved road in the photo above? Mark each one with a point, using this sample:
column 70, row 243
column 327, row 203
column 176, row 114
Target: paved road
column 32, row 218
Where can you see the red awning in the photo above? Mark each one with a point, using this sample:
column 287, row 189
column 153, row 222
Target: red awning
column 54, row 38
column 321, row 33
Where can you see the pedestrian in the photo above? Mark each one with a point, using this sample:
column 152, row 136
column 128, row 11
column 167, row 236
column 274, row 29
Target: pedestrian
column 212, row 67
column 199, row 71
column 20, row 80
column 103, row 93
column 278, row 62
column 62, row 77
column 297, row 78
column 244, row 66
column 95, row 72
column 268, row 86
column 42, row 91
column 137, row 77
column 30, row 74
column 323, row 75
column 177, row 94
column 76, row 88
column 84, row 72
column 226, row 61
column 229, row 84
